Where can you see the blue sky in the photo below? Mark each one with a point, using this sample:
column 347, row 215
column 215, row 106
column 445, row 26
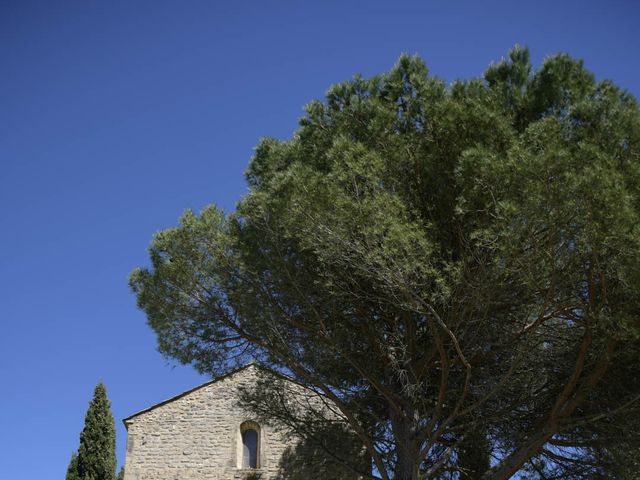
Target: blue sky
column 117, row 116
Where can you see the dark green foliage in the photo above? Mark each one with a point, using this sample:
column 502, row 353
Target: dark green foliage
column 474, row 455
column 120, row 474
column 97, row 451
column 436, row 261
column 72, row 470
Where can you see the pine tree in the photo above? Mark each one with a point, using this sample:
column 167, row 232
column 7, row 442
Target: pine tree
column 438, row 262
column 72, row 470
column 97, row 453
column 120, row 474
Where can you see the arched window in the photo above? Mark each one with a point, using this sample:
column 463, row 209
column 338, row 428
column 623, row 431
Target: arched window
column 249, row 452
column 250, row 448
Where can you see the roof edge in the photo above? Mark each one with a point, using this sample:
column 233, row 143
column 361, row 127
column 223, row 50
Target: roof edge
column 191, row 390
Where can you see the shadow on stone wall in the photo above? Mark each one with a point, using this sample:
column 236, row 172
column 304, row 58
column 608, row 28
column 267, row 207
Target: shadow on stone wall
column 333, row 457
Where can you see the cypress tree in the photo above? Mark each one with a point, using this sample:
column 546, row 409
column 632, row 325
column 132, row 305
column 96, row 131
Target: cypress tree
column 97, row 453
column 72, row 469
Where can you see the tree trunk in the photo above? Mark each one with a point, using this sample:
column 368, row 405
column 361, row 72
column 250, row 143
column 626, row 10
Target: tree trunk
column 408, row 450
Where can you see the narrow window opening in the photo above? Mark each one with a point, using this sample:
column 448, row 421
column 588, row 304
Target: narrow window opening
column 250, row 448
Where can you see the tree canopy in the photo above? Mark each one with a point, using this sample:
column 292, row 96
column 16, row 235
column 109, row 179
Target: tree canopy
column 454, row 268
column 96, row 457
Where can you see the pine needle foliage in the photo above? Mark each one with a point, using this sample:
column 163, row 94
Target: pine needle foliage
column 452, row 267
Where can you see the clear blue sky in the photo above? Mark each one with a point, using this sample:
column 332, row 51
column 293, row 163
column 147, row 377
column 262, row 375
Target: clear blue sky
column 115, row 116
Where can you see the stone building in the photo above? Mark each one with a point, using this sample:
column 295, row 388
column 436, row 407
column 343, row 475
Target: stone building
column 204, row 434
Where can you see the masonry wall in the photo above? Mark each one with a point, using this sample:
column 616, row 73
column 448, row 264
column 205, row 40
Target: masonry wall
column 198, row 437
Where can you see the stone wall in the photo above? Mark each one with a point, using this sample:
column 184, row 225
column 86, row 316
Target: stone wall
column 197, row 436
